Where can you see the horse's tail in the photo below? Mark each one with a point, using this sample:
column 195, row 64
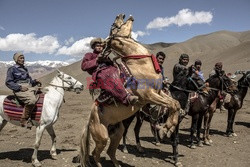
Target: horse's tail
column 84, row 144
column 85, row 137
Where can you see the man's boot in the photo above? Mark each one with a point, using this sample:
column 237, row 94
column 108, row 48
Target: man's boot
column 132, row 99
column 26, row 114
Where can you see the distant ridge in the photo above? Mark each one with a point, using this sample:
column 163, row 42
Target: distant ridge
column 231, row 48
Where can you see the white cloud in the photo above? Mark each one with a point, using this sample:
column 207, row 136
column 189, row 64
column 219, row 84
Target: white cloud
column 2, row 28
column 29, row 43
column 69, row 41
column 184, row 17
column 76, row 49
column 137, row 34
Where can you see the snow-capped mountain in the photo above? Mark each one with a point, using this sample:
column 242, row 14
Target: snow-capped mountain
column 46, row 63
column 36, row 69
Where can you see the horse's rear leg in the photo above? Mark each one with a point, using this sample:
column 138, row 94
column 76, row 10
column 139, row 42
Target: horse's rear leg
column 100, row 136
column 175, row 142
column 115, row 139
column 126, row 124
column 2, row 123
column 52, row 134
column 39, row 132
column 137, row 129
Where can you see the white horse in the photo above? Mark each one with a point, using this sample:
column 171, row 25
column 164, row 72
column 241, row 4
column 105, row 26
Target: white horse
column 52, row 102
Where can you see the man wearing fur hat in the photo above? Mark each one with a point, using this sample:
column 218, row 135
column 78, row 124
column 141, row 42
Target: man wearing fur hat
column 180, row 72
column 105, row 74
column 19, row 80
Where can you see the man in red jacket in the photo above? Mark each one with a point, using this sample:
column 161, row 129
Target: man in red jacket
column 105, row 73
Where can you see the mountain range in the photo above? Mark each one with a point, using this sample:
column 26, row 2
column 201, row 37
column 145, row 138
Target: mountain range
column 231, row 48
column 36, row 69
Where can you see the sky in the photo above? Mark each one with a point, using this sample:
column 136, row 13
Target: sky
column 60, row 30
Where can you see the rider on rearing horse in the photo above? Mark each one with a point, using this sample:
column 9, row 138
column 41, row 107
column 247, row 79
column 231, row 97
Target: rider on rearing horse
column 105, row 73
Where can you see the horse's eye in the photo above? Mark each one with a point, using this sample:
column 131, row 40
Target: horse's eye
column 68, row 77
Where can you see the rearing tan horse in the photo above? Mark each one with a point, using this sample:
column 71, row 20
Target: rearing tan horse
column 121, row 43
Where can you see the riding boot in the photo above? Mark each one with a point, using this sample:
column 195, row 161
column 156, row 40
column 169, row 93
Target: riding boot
column 132, row 99
column 26, row 115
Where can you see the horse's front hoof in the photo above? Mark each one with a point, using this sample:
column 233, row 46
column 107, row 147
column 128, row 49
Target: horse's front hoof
column 178, row 164
column 36, row 164
column 206, row 142
column 157, row 143
column 140, row 149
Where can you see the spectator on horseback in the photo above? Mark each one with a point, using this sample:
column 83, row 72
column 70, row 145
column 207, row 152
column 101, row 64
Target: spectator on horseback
column 19, row 80
column 178, row 87
column 104, row 73
column 217, row 70
column 180, row 71
column 197, row 74
column 160, row 56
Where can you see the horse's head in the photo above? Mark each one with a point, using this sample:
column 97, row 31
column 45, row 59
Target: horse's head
column 69, row 83
column 223, row 83
column 244, row 81
column 120, row 28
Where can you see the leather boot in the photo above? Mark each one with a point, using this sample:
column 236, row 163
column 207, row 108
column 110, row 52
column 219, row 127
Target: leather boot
column 132, row 99
column 26, row 114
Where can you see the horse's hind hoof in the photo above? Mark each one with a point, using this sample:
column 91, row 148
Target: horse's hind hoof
column 234, row 134
column 124, row 150
column 192, row 146
column 200, row 144
column 178, row 164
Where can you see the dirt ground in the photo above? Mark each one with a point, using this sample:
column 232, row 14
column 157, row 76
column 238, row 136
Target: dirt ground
column 16, row 143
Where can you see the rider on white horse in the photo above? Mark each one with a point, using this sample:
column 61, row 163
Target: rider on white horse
column 19, row 80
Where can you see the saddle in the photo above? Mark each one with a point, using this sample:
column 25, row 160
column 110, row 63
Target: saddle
column 13, row 108
column 104, row 98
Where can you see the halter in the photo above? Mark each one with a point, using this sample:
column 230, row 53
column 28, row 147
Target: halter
column 68, row 82
column 105, row 51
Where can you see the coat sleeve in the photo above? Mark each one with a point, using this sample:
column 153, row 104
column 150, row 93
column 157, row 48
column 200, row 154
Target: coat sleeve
column 89, row 62
column 10, row 83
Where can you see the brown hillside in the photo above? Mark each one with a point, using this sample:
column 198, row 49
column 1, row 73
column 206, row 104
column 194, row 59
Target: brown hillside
column 232, row 48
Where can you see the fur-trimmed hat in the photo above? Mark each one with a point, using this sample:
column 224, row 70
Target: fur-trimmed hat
column 16, row 55
column 96, row 40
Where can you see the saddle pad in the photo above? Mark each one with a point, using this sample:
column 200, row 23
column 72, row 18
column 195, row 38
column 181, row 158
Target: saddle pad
column 15, row 111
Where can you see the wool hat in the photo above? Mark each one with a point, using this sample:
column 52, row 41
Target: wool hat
column 96, row 40
column 16, row 56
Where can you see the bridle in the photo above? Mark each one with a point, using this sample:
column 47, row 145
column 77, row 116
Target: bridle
column 108, row 49
column 71, row 84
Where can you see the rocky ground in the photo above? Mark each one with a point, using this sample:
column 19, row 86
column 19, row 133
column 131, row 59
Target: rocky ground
column 16, row 143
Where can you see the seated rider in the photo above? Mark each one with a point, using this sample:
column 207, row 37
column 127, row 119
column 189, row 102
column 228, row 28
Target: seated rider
column 180, row 72
column 197, row 74
column 19, row 80
column 180, row 80
column 105, row 73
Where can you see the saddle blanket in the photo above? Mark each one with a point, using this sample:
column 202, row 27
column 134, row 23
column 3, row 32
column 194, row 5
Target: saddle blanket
column 15, row 111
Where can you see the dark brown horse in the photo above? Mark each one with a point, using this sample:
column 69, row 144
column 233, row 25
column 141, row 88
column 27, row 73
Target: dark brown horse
column 236, row 101
column 155, row 115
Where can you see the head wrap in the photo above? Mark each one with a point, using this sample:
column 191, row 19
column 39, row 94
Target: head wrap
column 16, row 56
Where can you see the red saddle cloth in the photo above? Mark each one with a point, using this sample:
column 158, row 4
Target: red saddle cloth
column 15, row 111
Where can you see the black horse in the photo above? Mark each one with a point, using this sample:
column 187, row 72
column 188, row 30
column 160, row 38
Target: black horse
column 154, row 114
column 236, row 101
column 205, row 104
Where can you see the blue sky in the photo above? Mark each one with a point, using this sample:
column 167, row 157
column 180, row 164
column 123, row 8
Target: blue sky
column 62, row 29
